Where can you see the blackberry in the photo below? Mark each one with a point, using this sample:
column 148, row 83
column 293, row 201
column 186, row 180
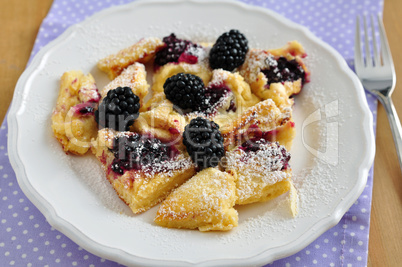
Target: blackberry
column 118, row 109
column 229, row 51
column 173, row 49
column 135, row 152
column 185, row 90
column 204, row 142
column 282, row 70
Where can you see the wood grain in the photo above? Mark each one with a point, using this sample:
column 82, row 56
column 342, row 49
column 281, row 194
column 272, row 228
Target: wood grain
column 385, row 245
column 21, row 21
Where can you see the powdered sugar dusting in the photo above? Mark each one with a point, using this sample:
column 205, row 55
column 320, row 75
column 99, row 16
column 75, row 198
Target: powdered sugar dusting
column 166, row 167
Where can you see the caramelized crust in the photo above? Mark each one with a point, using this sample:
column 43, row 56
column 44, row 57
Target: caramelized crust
column 141, row 52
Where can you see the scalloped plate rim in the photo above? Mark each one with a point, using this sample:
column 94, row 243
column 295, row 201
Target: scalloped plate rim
column 123, row 257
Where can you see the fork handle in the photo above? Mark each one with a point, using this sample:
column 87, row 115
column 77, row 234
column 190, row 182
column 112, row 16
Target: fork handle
column 395, row 123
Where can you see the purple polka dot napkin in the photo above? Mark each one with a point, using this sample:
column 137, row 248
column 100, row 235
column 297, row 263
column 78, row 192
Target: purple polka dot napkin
column 26, row 239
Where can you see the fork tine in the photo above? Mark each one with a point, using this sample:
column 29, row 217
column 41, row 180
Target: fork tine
column 359, row 64
column 385, row 50
column 377, row 60
column 369, row 62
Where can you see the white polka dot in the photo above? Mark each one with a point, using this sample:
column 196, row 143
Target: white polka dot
column 297, row 258
column 326, row 240
column 334, row 249
column 354, row 218
column 360, row 243
column 359, row 258
column 351, row 250
column 362, row 227
column 352, row 234
column 315, row 261
column 324, row 255
column 69, row 254
column 24, row 256
column 363, row 210
column 307, row 252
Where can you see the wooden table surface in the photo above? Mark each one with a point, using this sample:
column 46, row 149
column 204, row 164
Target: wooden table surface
column 20, row 22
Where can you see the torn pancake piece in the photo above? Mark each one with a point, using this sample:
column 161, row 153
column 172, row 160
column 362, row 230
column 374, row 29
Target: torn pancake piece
column 141, row 52
column 142, row 169
column 261, row 170
column 73, row 122
column 205, row 202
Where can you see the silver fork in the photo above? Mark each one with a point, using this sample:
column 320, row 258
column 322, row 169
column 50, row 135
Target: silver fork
column 377, row 74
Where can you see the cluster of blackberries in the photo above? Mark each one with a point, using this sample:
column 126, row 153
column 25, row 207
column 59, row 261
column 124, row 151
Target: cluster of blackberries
column 118, row 109
column 135, row 151
column 229, row 51
column 204, row 142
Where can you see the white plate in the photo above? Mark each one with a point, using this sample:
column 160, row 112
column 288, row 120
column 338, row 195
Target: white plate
column 332, row 152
